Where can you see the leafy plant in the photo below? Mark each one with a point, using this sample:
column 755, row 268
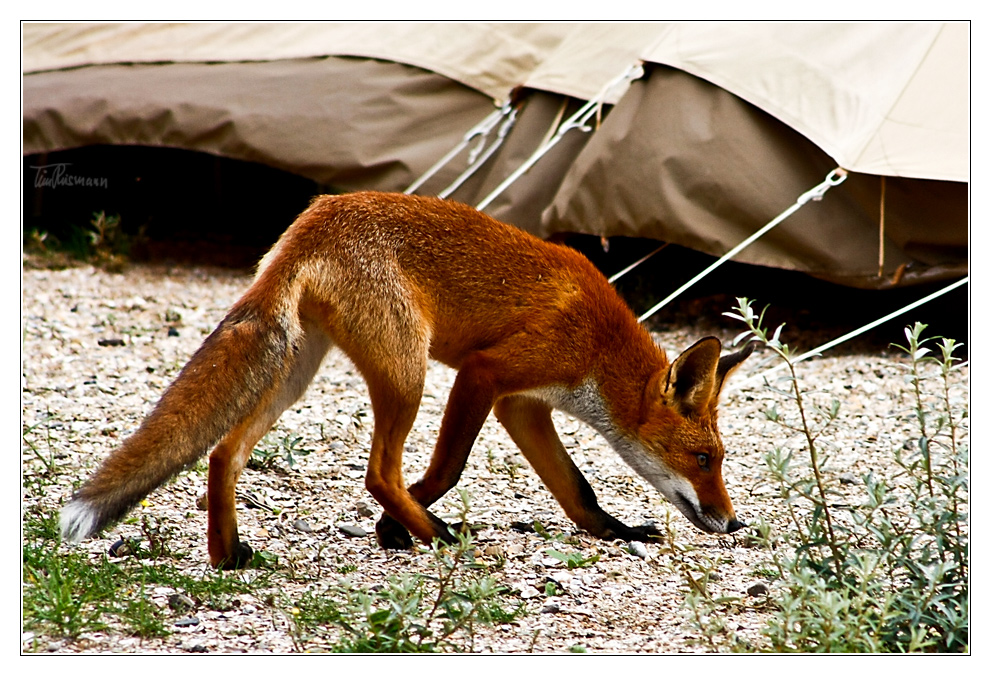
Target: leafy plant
column 158, row 535
column 810, row 421
column 548, row 536
column 892, row 575
column 706, row 611
column 267, row 455
column 48, row 460
column 66, row 592
column 572, row 559
column 409, row 613
column 102, row 242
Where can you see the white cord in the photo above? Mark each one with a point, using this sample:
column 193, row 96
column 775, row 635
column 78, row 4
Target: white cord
column 835, row 177
column 733, row 385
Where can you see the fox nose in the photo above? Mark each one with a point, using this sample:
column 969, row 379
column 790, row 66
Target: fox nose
column 734, row 525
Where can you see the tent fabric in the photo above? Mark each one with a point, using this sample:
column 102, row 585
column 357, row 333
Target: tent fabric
column 589, row 57
column 726, row 168
column 300, row 115
column 492, row 58
column 879, row 98
column 729, row 125
column 887, row 98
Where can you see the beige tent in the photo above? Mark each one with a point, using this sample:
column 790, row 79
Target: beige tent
column 728, row 124
column 879, row 98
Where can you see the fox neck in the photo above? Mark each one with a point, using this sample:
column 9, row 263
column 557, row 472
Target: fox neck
column 588, row 403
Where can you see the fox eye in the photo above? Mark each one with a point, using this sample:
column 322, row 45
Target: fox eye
column 703, row 459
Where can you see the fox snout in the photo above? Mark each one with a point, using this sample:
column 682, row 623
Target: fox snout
column 735, row 525
column 706, row 519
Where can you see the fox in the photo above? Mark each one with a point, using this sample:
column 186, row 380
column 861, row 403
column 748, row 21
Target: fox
column 394, row 280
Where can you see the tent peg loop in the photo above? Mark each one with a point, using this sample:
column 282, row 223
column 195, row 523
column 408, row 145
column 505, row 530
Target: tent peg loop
column 576, row 121
column 834, row 178
column 481, row 130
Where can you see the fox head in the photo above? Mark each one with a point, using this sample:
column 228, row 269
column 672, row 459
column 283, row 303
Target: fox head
column 682, row 453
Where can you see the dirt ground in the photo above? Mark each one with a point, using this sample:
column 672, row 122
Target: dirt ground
column 99, row 348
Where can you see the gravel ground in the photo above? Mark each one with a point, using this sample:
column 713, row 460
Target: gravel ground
column 99, row 348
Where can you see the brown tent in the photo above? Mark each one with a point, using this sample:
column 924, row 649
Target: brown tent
column 726, row 127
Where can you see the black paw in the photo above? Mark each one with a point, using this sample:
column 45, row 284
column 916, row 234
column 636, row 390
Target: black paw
column 391, row 534
column 617, row 530
column 646, row 533
column 465, row 528
column 243, row 554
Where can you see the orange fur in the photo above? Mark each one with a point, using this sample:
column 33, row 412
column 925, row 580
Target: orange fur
column 393, row 280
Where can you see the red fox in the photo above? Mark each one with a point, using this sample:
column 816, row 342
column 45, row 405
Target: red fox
column 393, row 280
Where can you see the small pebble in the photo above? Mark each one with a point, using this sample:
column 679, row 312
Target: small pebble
column 638, row 549
column 180, row 602
column 758, row 589
column 494, row 551
column 120, row 548
column 352, row 531
column 515, row 549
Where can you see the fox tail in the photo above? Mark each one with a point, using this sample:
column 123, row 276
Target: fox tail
column 220, row 386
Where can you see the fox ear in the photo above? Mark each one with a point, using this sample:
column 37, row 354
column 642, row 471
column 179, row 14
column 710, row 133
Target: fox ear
column 730, row 363
column 693, row 378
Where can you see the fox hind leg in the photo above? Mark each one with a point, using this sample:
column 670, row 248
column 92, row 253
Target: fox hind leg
column 232, row 453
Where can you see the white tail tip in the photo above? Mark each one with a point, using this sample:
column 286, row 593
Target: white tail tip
column 78, row 520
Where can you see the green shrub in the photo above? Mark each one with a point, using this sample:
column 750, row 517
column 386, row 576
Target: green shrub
column 102, row 243
column 887, row 574
column 409, row 613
